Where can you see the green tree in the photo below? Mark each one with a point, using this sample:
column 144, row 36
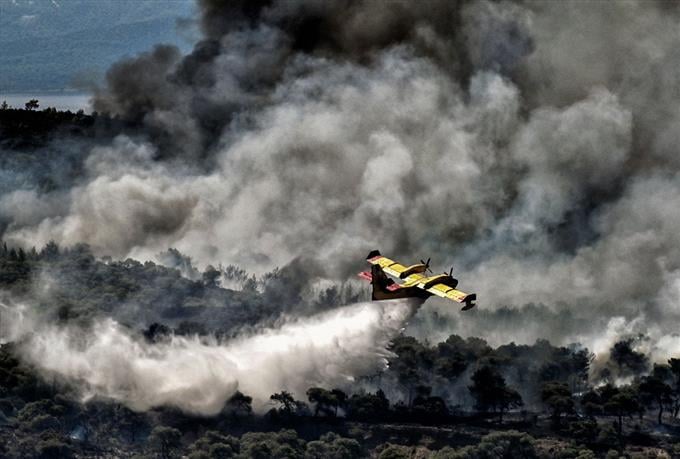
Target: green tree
column 214, row 445
column 510, row 444
column 41, row 415
column 267, row 445
column 339, row 400
column 557, row 397
column 365, row 407
column 653, row 387
column 286, row 404
column 285, row 400
column 426, row 408
column 211, row 277
column 621, row 402
column 391, row 451
column 412, row 357
column 129, row 422
column 165, row 440
column 50, row 252
column 32, row 104
column 239, row 405
column 333, row 446
column 451, row 360
column 674, row 367
column 591, row 403
column 325, row 401
column 626, row 360
column 491, row 393
column 52, row 448
column 585, row 430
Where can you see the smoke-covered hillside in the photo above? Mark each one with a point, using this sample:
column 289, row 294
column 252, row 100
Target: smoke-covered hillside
column 197, row 238
column 530, row 145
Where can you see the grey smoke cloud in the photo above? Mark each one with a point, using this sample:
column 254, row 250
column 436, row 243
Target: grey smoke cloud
column 532, row 145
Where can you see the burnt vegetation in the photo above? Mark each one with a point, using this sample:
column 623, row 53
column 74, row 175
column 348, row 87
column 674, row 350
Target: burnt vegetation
column 457, row 398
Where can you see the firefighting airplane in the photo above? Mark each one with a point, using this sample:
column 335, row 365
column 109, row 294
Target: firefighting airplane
column 416, row 282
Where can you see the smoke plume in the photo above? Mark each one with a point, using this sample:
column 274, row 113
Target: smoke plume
column 533, row 145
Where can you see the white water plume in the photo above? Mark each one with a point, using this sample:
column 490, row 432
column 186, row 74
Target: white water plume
column 198, row 375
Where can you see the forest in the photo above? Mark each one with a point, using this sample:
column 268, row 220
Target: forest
column 452, row 121
column 460, row 398
column 177, row 265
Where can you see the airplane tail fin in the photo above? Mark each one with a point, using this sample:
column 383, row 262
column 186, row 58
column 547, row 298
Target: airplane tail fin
column 380, row 283
column 469, row 301
column 373, row 254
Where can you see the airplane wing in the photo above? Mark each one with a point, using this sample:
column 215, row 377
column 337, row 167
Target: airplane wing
column 446, row 291
column 389, row 266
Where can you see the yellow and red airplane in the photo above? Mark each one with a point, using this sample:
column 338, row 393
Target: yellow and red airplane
column 415, row 281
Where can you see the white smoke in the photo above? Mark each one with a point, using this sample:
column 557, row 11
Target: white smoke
column 544, row 165
column 198, row 375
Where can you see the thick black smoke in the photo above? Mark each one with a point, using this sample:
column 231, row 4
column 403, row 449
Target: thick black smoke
column 533, row 145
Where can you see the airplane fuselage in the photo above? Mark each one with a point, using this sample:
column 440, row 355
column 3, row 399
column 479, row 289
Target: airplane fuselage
column 416, row 284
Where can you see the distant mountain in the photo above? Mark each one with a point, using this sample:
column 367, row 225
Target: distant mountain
column 46, row 45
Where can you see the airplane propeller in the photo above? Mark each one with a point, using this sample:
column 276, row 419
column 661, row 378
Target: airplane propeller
column 427, row 264
column 450, row 272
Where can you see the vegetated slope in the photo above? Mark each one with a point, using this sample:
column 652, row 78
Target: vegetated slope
column 439, row 400
column 72, row 284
